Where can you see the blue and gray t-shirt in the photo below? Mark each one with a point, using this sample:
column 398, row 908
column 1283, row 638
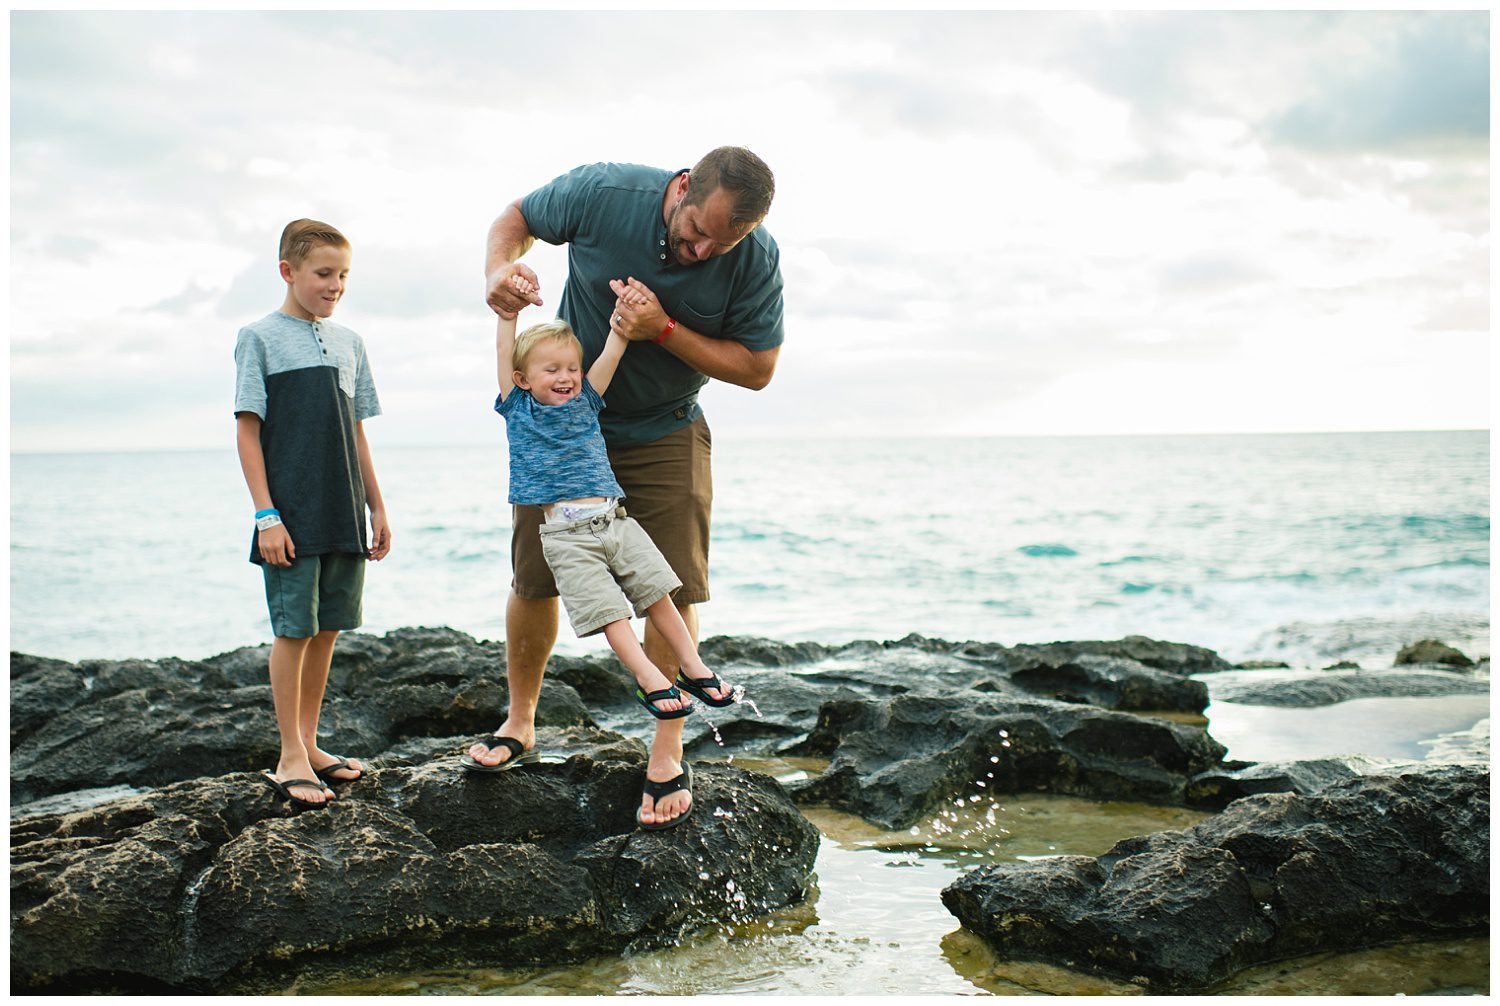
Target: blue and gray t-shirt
column 556, row 451
column 309, row 382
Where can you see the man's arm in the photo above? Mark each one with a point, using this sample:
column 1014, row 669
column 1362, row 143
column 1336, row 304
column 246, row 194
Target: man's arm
column 380, row 528
column 510, row 237
column 603, row 370
column 275, row 544
column 721, row 359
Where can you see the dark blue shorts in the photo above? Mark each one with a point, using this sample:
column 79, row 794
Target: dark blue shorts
column 315, row 594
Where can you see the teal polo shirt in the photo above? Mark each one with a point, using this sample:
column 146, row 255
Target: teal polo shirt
column 610, row 217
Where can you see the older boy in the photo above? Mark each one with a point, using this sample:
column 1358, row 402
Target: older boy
column 303, row 392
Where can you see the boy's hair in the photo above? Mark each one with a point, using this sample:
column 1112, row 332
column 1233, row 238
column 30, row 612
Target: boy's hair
column 740, row 173
column 301, row 236
column 550, row 331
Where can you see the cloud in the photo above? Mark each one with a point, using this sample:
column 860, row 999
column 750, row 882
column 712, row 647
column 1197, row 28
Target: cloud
column 1426, row 79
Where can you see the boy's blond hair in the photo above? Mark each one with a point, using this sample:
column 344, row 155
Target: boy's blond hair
column 549, row 331
column 300, row 237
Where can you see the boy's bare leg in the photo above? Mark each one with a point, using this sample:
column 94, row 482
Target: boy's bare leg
column 665, row 763
column 315, row 663
column 530, row 631
column 666, row 622
column 286, row 695
column 646, row 673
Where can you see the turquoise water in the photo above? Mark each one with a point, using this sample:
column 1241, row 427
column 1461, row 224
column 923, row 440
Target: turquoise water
column 1291, row 546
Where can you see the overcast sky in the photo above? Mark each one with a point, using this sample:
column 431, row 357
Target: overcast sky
column 989, row 223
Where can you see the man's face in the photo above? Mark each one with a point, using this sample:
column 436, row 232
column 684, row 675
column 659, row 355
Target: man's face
column 696, row 233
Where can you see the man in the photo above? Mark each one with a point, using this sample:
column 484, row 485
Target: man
column 677, row 262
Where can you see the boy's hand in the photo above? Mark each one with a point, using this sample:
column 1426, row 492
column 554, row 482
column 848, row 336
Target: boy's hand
column 505, row 297
column 638, row 315
column 381, row 532
column 276, row 545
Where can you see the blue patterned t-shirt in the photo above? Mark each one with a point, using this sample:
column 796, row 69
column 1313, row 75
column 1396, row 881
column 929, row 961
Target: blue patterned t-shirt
column 556, row 451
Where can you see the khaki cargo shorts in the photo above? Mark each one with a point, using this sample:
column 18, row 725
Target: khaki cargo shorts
column 669, row 490
column 599, row 563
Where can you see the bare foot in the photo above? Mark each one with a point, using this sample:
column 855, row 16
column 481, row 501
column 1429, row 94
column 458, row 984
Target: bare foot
column 305, row 793
column 499, row 753
column 355, row 768
column 669, row 807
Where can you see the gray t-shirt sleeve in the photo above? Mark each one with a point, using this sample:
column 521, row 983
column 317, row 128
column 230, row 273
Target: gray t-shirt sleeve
column 366, row 402
column 250, row 374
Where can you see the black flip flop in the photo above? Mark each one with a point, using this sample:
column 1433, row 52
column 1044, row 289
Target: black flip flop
column 647, row 698
column 284, row 788
column 518, row 755
column 657, row 790
column 326, row 772
column 698, row 688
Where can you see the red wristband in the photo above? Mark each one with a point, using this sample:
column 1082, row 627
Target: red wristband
column 671, row 324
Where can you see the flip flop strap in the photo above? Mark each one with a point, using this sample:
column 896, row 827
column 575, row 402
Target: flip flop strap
column 289, row 783
column 712, row 681
column 515, row 747
column 665, row 693
column 657, row 790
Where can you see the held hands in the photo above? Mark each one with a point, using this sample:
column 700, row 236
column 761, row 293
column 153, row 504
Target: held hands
column 510, row 288
column 637, row 315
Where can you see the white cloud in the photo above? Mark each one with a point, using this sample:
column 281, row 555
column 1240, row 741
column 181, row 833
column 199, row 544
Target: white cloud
column 1107, row 222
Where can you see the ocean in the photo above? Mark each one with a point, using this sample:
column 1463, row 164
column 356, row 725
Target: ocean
column 1299, row 547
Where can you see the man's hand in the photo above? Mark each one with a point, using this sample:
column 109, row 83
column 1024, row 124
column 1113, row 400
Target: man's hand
column 504, row 297
column 276, row 545
column 380, row 530
column 638, row 315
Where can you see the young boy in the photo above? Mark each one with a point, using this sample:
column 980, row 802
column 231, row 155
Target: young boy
column 303, row 392
column 598, row 555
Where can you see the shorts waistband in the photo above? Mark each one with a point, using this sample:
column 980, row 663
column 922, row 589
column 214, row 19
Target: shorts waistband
column 596, row 523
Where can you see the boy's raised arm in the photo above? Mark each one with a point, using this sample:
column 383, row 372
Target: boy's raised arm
column 603, row 370
column 505, row 338
column 505, row 346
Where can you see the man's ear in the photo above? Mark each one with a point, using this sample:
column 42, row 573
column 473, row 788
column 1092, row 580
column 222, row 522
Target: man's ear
column 682, row 184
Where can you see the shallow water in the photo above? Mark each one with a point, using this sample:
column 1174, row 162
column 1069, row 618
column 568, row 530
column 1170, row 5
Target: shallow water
column 874, row 924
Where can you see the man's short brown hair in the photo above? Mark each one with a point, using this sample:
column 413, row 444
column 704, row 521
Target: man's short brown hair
column 301, row 236
column 740, row 173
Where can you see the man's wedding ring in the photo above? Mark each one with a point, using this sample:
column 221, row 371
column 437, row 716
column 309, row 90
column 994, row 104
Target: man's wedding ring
column 618, row 319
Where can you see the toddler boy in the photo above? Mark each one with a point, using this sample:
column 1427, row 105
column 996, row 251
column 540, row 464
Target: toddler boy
column 600, row 557
column 303, row 391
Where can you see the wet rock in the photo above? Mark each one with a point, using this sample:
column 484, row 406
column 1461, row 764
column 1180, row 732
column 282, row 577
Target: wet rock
column 1112, row 683
column 1432, row 651
column 1221, row 786
column 1176, row 658
column 1326, row 688
column 895, row 760
column 214, row 884
column 1343, row 665
column 1366, row 861
column 1261, row 665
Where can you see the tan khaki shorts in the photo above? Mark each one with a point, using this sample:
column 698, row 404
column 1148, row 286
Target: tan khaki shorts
column 599, row 562
column 669, row 489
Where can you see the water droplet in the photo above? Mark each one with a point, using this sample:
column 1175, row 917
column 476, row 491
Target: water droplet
column 994, row 759
column 703, row 875
column 1005, row 733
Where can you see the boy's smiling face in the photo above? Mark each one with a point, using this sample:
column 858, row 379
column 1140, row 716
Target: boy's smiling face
column 554, row 373
column 317, row 282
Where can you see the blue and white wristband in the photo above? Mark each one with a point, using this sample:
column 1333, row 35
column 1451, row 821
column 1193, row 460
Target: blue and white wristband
column 267, row 519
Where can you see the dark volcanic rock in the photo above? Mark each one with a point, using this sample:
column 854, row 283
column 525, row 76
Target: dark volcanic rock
column 213, row 884
column 894, row 761
column 1326, row 688
column 1221, row 786
column 1367, row 861
column 1176, row 658
column 1112, row 683
column 1432, row 651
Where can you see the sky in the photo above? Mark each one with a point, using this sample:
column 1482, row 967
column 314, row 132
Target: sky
column 990, row 224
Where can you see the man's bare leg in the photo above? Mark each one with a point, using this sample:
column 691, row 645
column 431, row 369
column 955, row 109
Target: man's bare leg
column 286, row 695
column 530, row 631
column 665, row 762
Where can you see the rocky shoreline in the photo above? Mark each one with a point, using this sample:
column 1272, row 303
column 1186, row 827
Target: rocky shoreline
column 147, row 856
